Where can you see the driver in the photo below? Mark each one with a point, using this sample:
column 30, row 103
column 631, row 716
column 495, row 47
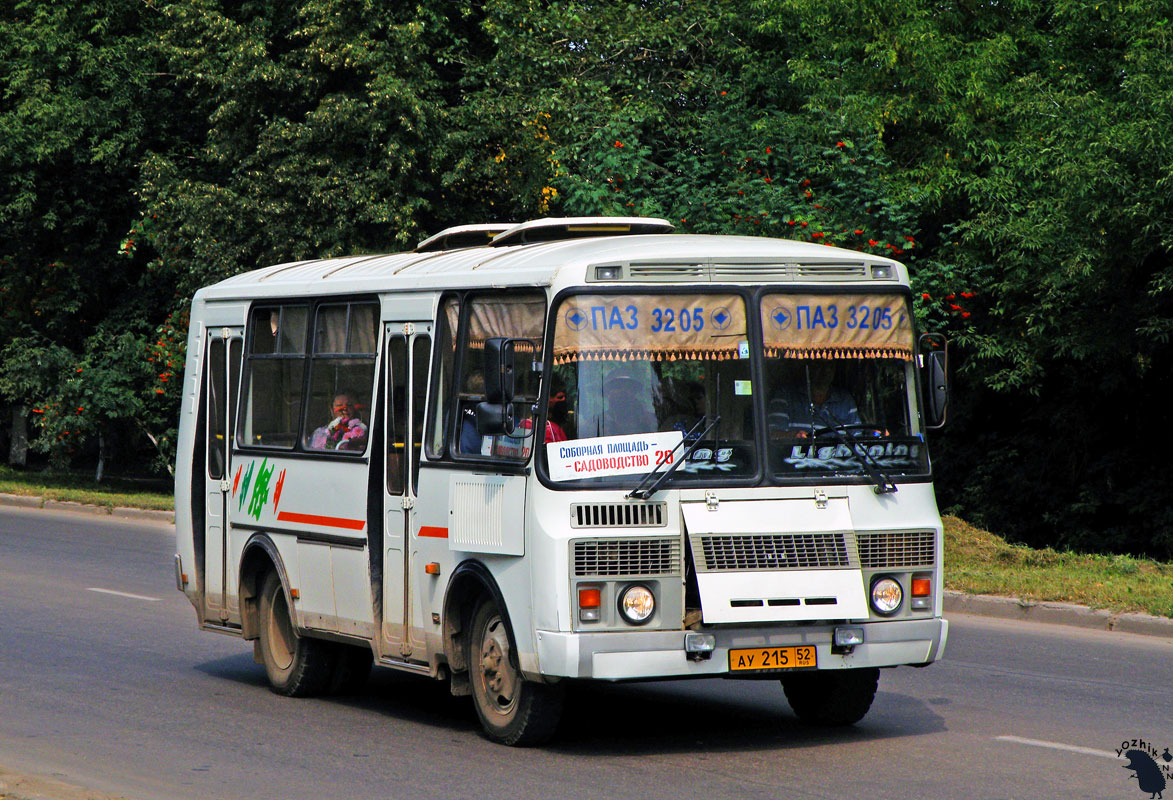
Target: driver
column 827, row 405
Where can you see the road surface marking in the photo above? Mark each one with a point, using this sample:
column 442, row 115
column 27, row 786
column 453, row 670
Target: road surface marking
column 1087, row 751
column 124, row 594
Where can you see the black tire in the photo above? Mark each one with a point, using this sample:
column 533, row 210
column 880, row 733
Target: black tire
column 352, row 667
column 512, row 710
column 296, row 666
column 833, row 697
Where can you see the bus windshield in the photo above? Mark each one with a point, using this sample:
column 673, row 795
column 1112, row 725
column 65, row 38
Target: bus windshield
column 637, row 379
column 840, row 388
column 633, row 374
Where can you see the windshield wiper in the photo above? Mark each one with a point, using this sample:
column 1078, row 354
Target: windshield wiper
column 640, row 493
column 884, row 484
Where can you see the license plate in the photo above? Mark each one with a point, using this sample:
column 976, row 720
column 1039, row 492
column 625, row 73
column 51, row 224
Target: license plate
column 771, row 658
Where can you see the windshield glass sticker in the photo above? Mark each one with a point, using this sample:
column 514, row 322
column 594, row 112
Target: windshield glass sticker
column 836, row 326
column 651, row 327
column 838, row 457
column 605, row 456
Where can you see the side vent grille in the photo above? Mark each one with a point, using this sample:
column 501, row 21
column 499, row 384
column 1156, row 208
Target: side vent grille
column 618, row 515
column 771, row 552
column 626, row 557
column 895, row 549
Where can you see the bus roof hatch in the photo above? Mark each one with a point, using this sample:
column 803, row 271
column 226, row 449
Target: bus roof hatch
column 460, row 236
column 555, row 229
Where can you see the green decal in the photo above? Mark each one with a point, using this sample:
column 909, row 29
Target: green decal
column 260, row 494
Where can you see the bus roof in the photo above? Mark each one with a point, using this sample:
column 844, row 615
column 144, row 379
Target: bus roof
column 642, row 258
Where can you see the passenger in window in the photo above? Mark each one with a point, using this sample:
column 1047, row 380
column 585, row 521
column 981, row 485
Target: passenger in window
column 556, row 413
column 345, row 432
column 471, row 441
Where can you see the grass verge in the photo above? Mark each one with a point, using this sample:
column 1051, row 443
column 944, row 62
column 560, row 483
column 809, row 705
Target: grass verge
column 979, row 562
column 82, row 489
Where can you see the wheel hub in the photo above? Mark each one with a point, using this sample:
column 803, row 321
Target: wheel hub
column 497, row 675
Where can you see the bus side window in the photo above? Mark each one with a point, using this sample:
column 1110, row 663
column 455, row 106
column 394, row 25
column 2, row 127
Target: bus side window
column 513, row 316
column 276, row 366
column 342, row 377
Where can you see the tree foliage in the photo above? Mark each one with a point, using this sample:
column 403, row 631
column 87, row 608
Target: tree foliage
column 1014, row 155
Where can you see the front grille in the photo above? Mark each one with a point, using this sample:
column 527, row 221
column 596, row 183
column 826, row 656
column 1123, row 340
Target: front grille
column 618, row 515
column 772, row 551
column 894, row 549
column 628, row 557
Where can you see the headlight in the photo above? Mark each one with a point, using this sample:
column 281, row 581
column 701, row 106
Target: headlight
column 886, row 596
column 637, row 604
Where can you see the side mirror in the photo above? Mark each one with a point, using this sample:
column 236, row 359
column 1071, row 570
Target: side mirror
column 934, row 362
column 499, row 370
column 496, row 419
column 496, row 416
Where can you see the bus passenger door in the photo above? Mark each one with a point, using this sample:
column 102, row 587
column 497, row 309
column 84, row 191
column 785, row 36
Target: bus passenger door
column 408, row 351
column 222, row 362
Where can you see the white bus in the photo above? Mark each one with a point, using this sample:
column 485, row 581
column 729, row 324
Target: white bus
column 581, row 448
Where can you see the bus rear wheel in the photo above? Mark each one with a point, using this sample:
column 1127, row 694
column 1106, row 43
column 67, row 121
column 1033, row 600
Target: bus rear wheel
column 512, row 710
column 831, row 698
column 295, row 665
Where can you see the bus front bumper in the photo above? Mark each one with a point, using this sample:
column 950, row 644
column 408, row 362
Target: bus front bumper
column 624, row 655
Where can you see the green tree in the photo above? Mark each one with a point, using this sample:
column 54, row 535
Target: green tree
column 1032, row 131
column 76, row 116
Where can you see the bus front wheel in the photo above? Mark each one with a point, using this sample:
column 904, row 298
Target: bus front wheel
column 512, row 710
column 833, row 697
column 295, row 665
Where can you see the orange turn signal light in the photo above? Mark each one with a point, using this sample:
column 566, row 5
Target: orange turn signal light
column 590, row 597
column 922, row 587
column 432, row 568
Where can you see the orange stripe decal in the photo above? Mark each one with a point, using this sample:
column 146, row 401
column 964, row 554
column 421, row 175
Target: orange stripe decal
column 435, row 533
column 327, row 522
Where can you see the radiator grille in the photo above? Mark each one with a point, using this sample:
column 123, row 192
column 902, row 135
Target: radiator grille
column 896, row 549
column 628, row 557
column 773, row 551
column 618, row 515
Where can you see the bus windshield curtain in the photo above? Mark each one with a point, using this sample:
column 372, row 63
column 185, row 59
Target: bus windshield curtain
column 843, row 326
column 705, row 327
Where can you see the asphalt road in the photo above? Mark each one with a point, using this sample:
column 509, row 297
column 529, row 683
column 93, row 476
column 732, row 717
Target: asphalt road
column 106, row 683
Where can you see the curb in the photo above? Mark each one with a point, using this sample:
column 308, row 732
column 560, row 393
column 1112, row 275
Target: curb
column 122, row 512
column 1057, row 614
